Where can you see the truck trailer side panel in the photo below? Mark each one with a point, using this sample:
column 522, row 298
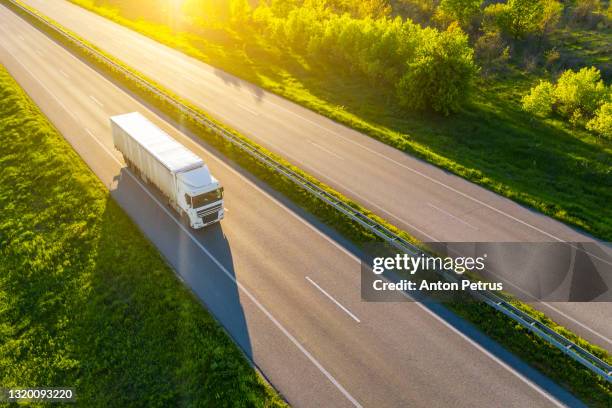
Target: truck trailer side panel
column 152, row 151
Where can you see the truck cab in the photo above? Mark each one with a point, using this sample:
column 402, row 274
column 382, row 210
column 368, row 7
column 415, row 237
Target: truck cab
column 200, row 197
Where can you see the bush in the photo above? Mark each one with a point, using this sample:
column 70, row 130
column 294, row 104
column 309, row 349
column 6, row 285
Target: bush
column 586, row 13
column 539, row 101
column 602, row 122
column 492, row 52
column 462, row 11
column 520, row 18
column 430, row 69
column 580, row 97
column 428, row 83
column 583, row 90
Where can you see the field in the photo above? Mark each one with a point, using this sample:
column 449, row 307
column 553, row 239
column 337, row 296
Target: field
column 546, row 164
column 85, row 300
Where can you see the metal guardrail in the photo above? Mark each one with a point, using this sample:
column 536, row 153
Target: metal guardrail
column 567, row 346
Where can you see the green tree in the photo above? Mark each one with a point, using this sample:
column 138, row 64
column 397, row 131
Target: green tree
column 240, row 10
column 517, row 18
column 462, row 11
column 582, row 91
column 524, row 16
column 539, row 101
column 442, row 73
column 602, row 121
column 551, row 14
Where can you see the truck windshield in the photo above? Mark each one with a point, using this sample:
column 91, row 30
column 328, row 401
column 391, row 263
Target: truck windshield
column 206, row 198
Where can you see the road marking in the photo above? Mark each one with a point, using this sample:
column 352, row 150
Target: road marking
column 261, row 307
column 304, row 351
column 452, row 216
column 326, row 150
column 417, row 172
column 104, row 147
column 63, row 73
column 45, row 88
column 577, row 322
column 251, row 111
column 489, row 354
column 93, row 98
column 276, row 323
column 21, row 37
column 333, row 300
column 39, row 52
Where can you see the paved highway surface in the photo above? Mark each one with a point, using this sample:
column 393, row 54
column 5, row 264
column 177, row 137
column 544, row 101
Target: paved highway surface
column 284, row 289
column 416, row 196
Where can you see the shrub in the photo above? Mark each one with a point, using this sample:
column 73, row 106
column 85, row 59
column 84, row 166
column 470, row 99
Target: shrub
column 539, row 101
column 519, row 18
column 430, row 69
column 428, row 83
column 462, row 11
column 602, row 122
column 586, row 13
column 580, row 97
column 583, row 90
column 491, row 52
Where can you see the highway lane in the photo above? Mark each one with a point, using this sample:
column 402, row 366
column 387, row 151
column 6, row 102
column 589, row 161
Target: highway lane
column 281, row 287
column 416, row 196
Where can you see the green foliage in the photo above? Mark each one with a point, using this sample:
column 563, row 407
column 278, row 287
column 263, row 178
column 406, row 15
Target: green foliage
column 491, row 52
column 85, row 300
column 517, row 18
column 591, row 388
column 551, row 15
column 580, row 97
column 539, row 101
column 430, row 69
column 462, row 11
column 582, row 91
column 445, row 55
column 602, row 121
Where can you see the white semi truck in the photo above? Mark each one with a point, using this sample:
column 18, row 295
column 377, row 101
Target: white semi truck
column 179, row 174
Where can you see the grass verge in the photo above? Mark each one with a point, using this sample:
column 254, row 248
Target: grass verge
column 552, row 362
column 558, row 170
column 85, row 300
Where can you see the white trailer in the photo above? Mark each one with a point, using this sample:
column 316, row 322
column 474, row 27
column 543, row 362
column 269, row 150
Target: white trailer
column 175, row 170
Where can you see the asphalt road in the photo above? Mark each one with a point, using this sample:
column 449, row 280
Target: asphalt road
column 284, row 289
column 426, row 201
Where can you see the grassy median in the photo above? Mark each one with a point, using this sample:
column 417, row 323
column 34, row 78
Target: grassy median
column 85, row 300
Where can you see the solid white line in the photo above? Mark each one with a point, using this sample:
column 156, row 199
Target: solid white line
column 326, row 150
column 93, row 98
column 293, row 340
column 63, row 73
column 577, row 322
column 45, row 88
column 252, row 298
column 251, row 111
column 476, row 345
column 104, row 147
column 348, row 312
column 452, row 216
column 262, row 308
column 520, row 376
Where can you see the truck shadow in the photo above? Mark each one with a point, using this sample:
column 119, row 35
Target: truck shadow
column 202, row 259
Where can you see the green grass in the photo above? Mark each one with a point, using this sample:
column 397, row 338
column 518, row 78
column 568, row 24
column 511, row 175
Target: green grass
column 560, row 171
column 588, row 386
column 85, row 300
